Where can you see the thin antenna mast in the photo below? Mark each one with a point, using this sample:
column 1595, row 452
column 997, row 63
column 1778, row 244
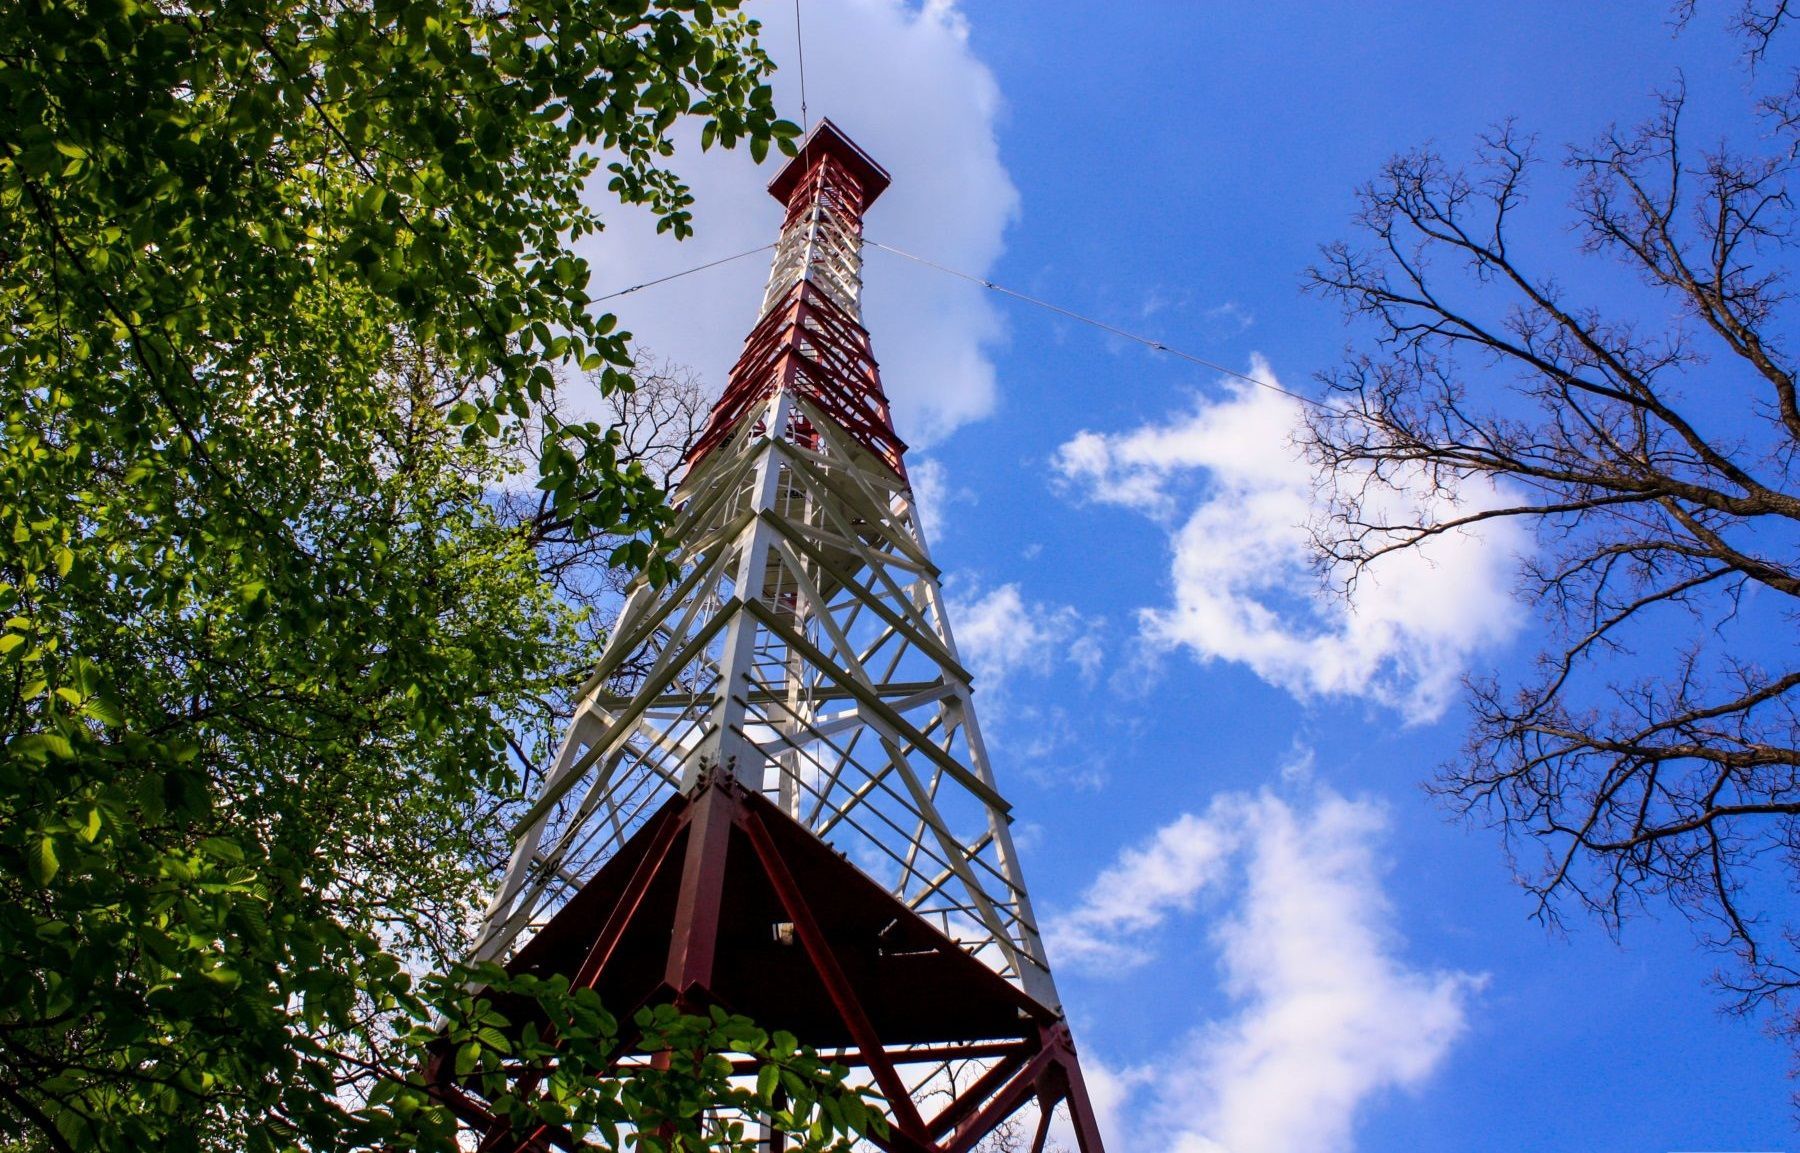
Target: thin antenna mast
column 800, row 47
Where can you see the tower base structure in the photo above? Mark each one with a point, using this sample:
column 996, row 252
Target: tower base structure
column 723, row 899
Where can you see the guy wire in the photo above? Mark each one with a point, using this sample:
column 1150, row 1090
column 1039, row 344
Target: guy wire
column 686, row 272
column 1102, row 325
column 1146, row 341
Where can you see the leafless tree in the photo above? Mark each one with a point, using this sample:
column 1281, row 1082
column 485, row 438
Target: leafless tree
column 1757, row 24
column 1015, row 1134
column 1011, row 1136
column 656, row 422
column 1644, row 427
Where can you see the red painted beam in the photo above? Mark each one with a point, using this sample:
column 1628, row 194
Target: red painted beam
column 837, row 985
column 696, row 932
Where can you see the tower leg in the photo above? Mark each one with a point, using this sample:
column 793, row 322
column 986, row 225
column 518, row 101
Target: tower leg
column 696, row 930
column 1043, row 1130
column 1081, row 1108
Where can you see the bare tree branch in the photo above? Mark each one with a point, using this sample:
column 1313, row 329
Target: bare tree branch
column 1649, row 448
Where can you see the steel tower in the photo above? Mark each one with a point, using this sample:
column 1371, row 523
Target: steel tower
column 774, row 795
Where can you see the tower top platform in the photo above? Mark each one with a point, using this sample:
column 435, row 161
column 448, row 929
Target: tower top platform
column 827, row 139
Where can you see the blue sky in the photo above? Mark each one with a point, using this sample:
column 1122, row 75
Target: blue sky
column 1266, row 935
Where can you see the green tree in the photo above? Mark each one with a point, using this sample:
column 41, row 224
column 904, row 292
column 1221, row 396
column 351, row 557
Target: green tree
column 280, row 284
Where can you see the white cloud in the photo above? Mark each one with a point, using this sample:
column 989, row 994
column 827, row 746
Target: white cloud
column 1003, row 637
column 1000, row 636
column 1229, row 319
column 1297, row 768
column 1327, row 1014
column 1167, row 874
column 901, row 80
column 1238, row 497
column 932, row 491
column 1087, row 654
column 1109, row 1092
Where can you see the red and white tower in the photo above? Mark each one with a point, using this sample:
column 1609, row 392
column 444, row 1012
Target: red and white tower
column 774, row 795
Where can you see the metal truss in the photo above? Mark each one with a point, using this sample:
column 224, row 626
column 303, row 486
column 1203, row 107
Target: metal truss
column 805, row 657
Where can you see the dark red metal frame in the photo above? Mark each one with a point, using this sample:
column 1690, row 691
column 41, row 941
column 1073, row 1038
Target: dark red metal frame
column 684, row 913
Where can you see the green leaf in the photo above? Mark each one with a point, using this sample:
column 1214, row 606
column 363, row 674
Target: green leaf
column 223, row 849
column 40, row 747
column 43, row 859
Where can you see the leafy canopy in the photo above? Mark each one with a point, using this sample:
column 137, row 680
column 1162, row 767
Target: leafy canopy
column 278, row 283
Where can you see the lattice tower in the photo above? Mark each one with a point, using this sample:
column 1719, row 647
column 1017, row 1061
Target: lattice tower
column 774, row 794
